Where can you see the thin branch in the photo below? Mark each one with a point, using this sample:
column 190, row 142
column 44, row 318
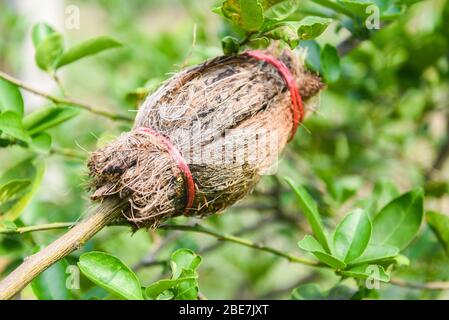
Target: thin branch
column 244, row 242
column 39, row 227
column 436, row 285
column 70, row 153
column 72, row 240
column 72, row 102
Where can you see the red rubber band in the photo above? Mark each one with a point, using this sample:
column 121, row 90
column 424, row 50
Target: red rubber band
column 181, row 163
column 297, row 105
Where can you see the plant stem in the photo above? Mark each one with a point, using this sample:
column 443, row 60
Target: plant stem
column 40, row 227
column 436, row 285
column 68, row 153
column 242, row 241
column 72, row 102
column 34, row 265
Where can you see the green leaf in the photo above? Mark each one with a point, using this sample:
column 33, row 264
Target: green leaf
column 230, row 45
column 188, row 289
column 310, row 210
column 384, row 191
column 40, row 32
column 10, row 97
column 439, row 223
column 183, row 259
column 9, row 190
column 356, row 7
column 51, row 284
column 286, row 34
column 49, row 51
column 310, row 244
column 309, row 291
column 376, row 253
column 11, row 124
column 41, row 142
column 155, row 289
column 281, row 10
column 48, row 117
column 399, row 221
column 247, row 14
column 311, row 27
column 330, row 63
column 87, row 48
column 29, row 170
column 352, row 236
column 184, row 284
column 375, row 272
column 111, row 274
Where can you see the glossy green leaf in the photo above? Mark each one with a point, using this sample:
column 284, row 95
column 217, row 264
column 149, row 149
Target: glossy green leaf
column 49, row 51
column 311, row 27
column 230, row 45
column 40, row 32
column 330, row 63
column 188, row 289
column 11, row 124
column 154, row 290
column 28, row 169
column 48, row 117
column 440, row 226
column 87, row 48
column 110, row 273
column 11, row 189
column 247, row 14
column 310, row 244
column 183, row 259
column 310, row 210
column 399, row 221
column 51, row 284
column 376, row 253
column 285, row 34
column 281, row 10
column 384, row 191
column 372, row 271
column 41, row 142
column 309, row 291
column 352, row 235
column 10, row 97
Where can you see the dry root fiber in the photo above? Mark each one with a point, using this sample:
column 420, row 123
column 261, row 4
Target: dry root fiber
column 229, row 117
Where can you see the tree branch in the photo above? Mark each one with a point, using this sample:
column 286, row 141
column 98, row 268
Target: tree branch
column 72, row 102
column 34, row 265
column 244, row 242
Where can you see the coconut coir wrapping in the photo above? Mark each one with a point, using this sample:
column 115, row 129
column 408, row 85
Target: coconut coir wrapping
column 229, row 117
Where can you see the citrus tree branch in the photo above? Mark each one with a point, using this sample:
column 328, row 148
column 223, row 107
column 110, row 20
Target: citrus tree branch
column 244, row 242
column 72, row 240
column 72, row 102
column 39, row 227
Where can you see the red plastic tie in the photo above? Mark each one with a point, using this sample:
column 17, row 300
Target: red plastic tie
column 181, row 163
column 297, row 105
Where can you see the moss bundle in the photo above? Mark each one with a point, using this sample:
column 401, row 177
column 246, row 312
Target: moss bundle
column 228, row 117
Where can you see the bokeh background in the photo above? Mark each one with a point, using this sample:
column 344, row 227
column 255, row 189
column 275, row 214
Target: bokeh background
column 384, row 122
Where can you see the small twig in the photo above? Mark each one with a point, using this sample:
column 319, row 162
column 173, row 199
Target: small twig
column 59, row 84
column 40, row 227
column 72, row 102
column 70, row 153
column 436, row 285
column 242, row 241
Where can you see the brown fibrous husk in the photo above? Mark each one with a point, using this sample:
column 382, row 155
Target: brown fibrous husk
column 230, row 117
